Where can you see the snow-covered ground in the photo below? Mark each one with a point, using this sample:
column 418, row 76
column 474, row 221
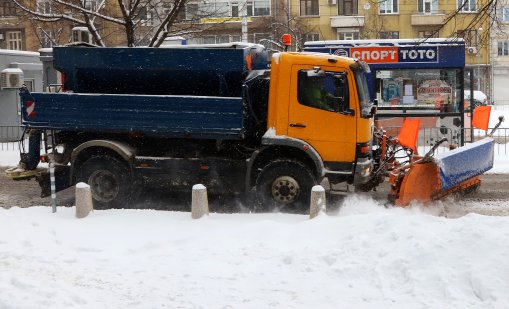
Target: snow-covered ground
column 366, row 256
column 362, row 256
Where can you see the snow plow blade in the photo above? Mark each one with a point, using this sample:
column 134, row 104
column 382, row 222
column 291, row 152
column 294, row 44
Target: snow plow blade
column 431, row 178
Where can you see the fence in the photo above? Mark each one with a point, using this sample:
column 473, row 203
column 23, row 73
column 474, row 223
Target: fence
column 427, row 137
column 10, row 137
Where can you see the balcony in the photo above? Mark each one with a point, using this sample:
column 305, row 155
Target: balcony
column 346, row 21
column 427, row 19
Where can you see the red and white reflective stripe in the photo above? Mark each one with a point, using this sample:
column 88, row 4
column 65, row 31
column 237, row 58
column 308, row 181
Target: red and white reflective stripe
column 30, row 109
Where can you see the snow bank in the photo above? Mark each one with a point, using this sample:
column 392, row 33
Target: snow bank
column 366, row 256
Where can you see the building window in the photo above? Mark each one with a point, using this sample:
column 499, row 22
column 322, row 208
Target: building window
column 256, row 37
column 504, row 14
column 14, row 40
column 347, row 7
column 261, row 8
column 44, row 6
column 425, row 34
column 309, row 8
column 470, row 37
column 348, row 35
column 226, row 38
column 191, row 11
column 90, row 5
column 467, row 5
column 81, row 34
column 166, row 9
column 254, row 8
column 7, row 8
column 235, row 9
column 503, row 48
column 215, row 39
column 388, row 35
column 47, row 38
column 213, row 9
column 427, row 6
column 312, row 37
column 145, row 16
column 388, row 6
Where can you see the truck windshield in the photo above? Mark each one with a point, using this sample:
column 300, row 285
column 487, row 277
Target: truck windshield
column 363, row 92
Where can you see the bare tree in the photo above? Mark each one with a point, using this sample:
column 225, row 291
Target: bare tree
column 485, row 16
column 285, row 23
column 135, row 17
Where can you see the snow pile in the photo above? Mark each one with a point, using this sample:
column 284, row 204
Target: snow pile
column 366, row 256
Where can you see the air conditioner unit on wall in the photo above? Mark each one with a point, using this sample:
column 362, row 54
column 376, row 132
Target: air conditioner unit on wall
column 332, row 2
column 11, row 78
column 472, row 50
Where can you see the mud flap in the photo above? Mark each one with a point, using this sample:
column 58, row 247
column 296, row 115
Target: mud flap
column 62, row 180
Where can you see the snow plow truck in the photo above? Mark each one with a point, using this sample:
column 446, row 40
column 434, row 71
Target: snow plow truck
column 227, row 118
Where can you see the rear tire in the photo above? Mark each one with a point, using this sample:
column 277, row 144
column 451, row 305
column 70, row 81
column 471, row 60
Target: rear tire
column 110, row 181
column 285, row 185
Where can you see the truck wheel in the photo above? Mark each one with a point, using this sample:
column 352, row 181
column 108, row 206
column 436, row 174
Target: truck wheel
column 285, row 185
column 110, row 181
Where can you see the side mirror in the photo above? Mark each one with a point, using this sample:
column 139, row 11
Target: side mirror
column 374, row 107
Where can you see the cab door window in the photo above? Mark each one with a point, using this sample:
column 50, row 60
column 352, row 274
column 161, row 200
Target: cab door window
column 322, row 90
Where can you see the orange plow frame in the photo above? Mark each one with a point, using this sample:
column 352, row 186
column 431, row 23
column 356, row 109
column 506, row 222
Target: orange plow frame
column 420, row 182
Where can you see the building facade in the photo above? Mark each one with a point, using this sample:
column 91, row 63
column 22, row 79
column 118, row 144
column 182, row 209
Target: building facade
column 15, row 29
column 405, row 19
column 500, row 55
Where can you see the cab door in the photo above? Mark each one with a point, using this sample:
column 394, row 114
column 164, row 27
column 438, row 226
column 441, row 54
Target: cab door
column 329, row 125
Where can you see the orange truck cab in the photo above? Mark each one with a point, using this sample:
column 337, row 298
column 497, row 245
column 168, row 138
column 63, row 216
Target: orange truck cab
column 335, row 127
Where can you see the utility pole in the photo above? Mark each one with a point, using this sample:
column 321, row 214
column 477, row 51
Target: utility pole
column 479, row 58
column 243, row 11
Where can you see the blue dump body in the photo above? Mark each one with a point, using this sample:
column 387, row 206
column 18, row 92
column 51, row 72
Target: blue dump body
column 168, row 116
column 464, row 163
column 163, row 92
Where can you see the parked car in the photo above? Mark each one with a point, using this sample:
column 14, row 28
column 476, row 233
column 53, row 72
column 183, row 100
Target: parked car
column 479, row 98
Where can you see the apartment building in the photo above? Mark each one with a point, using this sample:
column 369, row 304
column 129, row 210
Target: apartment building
column 403, row 19
column 500, row 55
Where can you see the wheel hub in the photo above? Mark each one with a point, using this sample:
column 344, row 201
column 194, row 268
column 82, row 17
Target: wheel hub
column 104, row 185
column 285, row 189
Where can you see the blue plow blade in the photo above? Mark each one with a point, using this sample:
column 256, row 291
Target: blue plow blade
column 464, row 163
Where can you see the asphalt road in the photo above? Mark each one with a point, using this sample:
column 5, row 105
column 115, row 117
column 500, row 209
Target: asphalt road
column 492, row 198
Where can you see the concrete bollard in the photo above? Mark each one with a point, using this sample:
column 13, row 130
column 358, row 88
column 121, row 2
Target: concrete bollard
column 199, row 203
column 83, row 200
column 318, row 203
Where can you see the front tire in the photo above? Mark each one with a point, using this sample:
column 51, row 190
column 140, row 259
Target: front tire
column 110, row 181
column 285, row 185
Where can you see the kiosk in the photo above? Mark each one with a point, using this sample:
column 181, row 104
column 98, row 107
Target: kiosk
column 421, row 78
